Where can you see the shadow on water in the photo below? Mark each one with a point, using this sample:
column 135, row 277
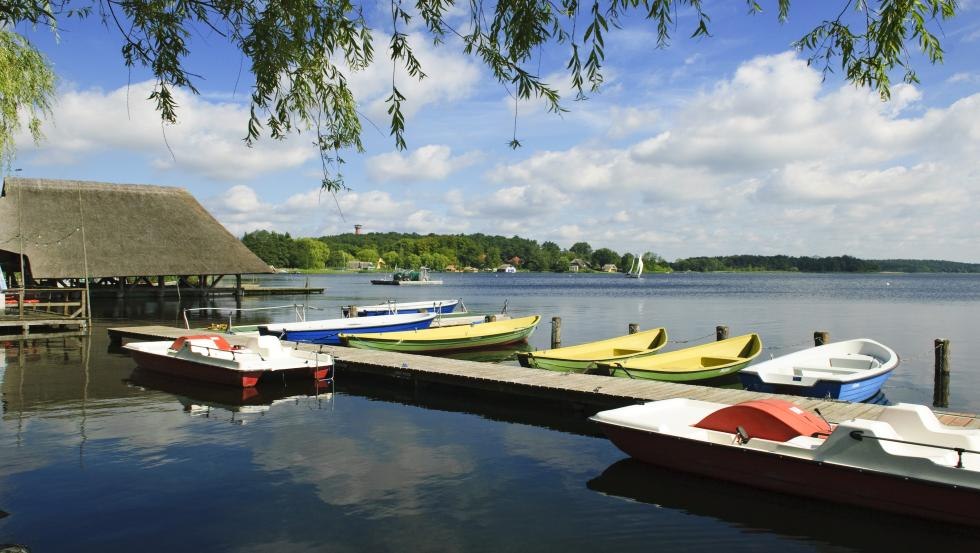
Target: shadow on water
column 763, row 511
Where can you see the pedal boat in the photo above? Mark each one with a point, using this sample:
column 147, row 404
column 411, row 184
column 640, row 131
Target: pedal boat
column 210, row 358
column 905, row 461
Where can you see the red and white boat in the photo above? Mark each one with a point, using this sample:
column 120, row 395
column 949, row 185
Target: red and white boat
column 210, row 358
column 905, row 462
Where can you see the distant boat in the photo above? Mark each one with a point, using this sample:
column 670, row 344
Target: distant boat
column 326, row 331
column 210, row 358
column 392, row 308
column 905, row 461
column 636, row 268
column 853, row 370
column 450, row 338
column 407, row 278
column 585, row 356
column 695, row 363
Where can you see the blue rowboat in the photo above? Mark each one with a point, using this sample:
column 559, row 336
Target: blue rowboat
column 326, row 331
column 391, row 308
column 853, row 370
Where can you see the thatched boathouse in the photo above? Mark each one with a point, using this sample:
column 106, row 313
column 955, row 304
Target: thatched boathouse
column 118, row 236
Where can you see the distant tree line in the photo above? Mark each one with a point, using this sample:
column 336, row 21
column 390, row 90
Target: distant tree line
column 435, row 251
column 481, row 251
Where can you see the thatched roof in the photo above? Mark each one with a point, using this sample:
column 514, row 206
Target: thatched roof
column 129, row 230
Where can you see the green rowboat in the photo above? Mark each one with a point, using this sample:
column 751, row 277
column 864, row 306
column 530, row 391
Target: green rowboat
column 451, row 338
column 695, row 363
column 585, row 356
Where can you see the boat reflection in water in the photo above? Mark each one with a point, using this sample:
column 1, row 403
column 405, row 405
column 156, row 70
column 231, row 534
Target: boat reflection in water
column 497, row 354
column 244, row 404
column 759, row 511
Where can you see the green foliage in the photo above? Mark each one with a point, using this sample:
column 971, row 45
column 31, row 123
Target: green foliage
column 302, row 53
column 26, row 86
column 582, row 249
column 604, row 256
column 837, row 264
column 272, row 247
column 308, row 253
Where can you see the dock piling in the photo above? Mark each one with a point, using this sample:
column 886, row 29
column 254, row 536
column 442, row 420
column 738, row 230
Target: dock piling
column 555, row 332
column 821, row 337
column 721, row 332
column 940, row 391
column 634, row 328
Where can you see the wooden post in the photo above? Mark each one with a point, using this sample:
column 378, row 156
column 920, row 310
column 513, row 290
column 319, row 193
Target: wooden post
column 121, row 290
column 555, row 332
column 721, row 333
column 821, row 337
column 239, row 291
column 490, row 319
column 940, row 391
column 353, row 311
column 161, row 286
column 634, row 328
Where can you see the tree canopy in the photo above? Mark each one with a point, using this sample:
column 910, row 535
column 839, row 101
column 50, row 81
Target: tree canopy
column 301, row 53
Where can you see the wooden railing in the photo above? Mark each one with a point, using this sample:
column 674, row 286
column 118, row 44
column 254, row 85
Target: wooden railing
column 24, row 303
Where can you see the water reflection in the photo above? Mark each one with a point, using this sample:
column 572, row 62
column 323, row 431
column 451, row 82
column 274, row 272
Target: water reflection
column 204, row 399
column 762, row 511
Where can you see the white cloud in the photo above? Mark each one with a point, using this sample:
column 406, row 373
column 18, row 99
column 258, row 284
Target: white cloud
column 450, row 76
column 206, row 140
column 428, row 163
column 772, row 157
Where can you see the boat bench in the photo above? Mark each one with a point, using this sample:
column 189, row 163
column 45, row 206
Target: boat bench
column 617, row 352
column 716, row 361
column 802, row 371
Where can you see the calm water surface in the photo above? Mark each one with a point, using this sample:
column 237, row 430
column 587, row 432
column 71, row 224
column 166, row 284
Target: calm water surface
column 95, row 456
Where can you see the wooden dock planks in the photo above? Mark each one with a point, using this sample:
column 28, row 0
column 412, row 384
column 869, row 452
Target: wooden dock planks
column 593, row 390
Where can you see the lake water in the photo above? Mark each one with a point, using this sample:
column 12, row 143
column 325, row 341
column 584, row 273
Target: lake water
column 95, row 456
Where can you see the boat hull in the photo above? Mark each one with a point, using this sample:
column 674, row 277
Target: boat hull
column 443, row 309
column 666, row 376
column 331, row 335
column 856, row 391
column 791, row 475
column 191, row 370
column 424, row 346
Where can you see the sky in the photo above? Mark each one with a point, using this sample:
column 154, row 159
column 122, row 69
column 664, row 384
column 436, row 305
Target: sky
column 722, row 145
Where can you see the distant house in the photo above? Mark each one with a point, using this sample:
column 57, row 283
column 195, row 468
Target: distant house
column 515, row 261
column 577, row 265
column 451, row 269
column 609, row 268
column 360, row 265
column 469, row 269
column 506, row 268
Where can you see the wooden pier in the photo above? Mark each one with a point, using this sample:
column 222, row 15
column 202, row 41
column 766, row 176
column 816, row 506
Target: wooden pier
column 590, row 391
column 41, row 327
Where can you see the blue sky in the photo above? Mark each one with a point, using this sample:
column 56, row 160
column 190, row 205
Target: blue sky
column 723, row 145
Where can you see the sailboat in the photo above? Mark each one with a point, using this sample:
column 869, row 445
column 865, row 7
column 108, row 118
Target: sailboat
column 636, row 269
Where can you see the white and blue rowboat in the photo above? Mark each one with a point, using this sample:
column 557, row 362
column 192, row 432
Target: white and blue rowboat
column 853, row 370
column 392, row 308
column 326, row 331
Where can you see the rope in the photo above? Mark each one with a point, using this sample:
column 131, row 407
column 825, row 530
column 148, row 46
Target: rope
column 691, row 339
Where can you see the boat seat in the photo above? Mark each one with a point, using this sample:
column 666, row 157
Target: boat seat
column 716, row 361
column 801, row 371
column 268, row 347
column 862, row 362
column 617, row 352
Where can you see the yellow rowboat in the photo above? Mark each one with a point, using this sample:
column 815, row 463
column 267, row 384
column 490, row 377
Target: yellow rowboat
column 585, row 356
column 450, row 338
column 694, row 363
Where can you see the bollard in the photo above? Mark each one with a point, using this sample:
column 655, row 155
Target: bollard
column 555, row 332
column 490, row 319
column 940, row 390
column 821, row 337
column 721, row 332
column 634, row 328
column 353, row 311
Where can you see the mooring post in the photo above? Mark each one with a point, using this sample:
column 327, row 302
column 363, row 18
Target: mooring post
column 634, row 328
column 353, row 311
column 940, row 391
column 721, row 332
column 821, row 337
column 555, row 332
column 490, row 319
